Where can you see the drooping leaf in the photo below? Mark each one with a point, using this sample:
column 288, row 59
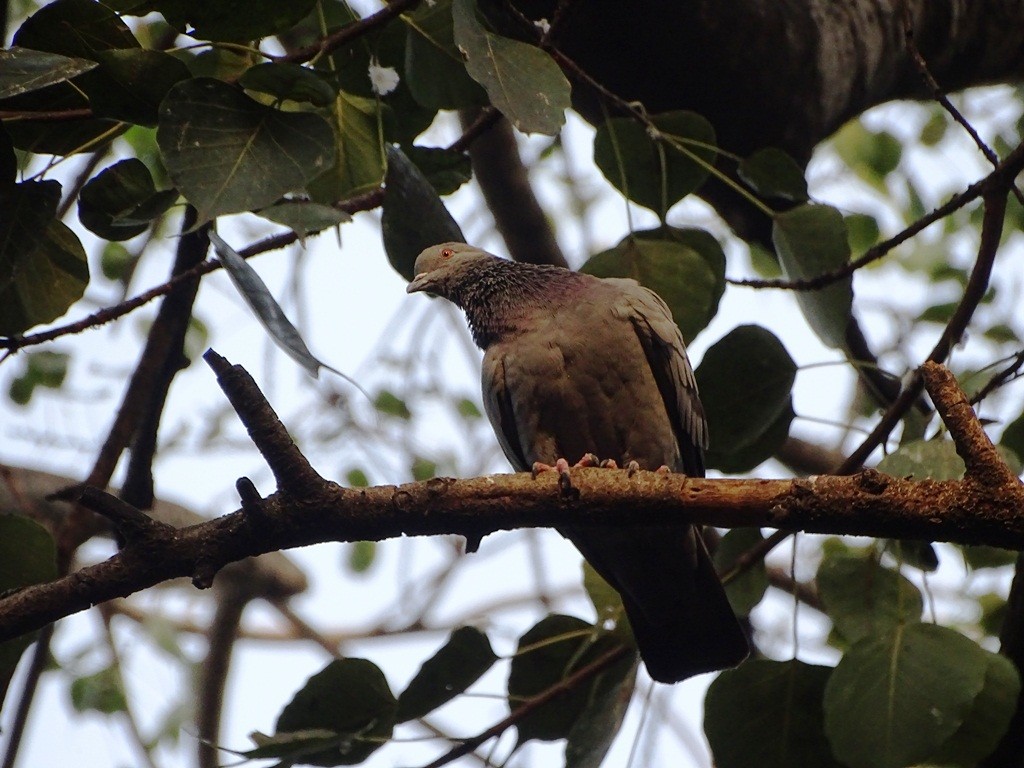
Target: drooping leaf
column 458, row 664
column 686, row 267
column 772, row 173
column 445, row 169
column 349, row 697
column 413, row 216
column 736, row 461
column 304, row 217
column 864, row 598
column 896, row 697
column 434, row 68
column 266, row 308
column 28, row 555
column 361, row 556
column 745, row 591
column 389, row 403
column 228, row 153
column 288, row 81
column 522, row 81
column 769, row 714
column 656, row 172
column 989, row 717
column 23, row 70
column 119, row 202
column 598, row 724
column 43, row 268
column 359, row 161
column 745, row 380
column 811, row 240
column 99, row 692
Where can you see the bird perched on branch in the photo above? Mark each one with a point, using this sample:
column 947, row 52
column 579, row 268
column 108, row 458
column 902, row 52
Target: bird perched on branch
column 575, row 365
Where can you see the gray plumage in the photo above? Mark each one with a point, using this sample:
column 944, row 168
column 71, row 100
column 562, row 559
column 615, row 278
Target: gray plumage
column 574, row 364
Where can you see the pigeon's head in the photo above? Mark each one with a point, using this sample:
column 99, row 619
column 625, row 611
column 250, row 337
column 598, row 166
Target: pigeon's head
column 441, row 269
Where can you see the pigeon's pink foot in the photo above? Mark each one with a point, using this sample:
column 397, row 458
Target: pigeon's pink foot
column 663, row 470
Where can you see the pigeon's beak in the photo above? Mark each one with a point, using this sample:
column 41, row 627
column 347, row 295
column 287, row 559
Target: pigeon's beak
column 422, row 282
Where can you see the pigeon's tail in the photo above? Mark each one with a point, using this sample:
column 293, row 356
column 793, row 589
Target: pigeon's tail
column 681, row 618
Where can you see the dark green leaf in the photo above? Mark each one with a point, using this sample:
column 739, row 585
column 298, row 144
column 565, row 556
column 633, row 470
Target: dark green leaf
column 61, row 137
column 547, row 654
column 686, row 267
column 745, row 591
column 356, row 478
column 359, row 162
column 435, row 70
column 993, row 614
column 768, row 714
column 772, row 173
column 923, row 460
column 20, row 392
column 1001, row 333
column 740, row 460
column 350, row 697
column 1013, row 437
column 745, row 381
column 989, row 717
column 606, row 601
column 598, row 724
column 444, row 169
column 294, row 746
column 457, row 665
column 917, row 554
column 79, row 28
column 23, row 70
column 933, row 131
column 862, row 231
column 47, row 368
column 389, row 403
column 113, row 202
column 939, row 313
column 28, row 555
column 233, row 20
column 522, row 81
column 43, row 269
column 895, row 698
column 137, row 82
column 266, row 308
column 101, row 692
column 303, row 217
column 978, row 556
column 811, row 240
column 288, row 81
column 8, row 160
column 423, row 469
column 413, row 216
column 227, row 153
column 656, row 173
column 862, row 597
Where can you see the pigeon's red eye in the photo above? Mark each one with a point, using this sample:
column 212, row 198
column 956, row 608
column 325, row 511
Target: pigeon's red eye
column 447, row 253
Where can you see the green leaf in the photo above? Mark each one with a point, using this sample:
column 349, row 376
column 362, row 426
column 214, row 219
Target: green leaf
column 28, row 556
column 772, row 173
column 873, row 155
column 656, row 173
column 293, row 747
column 468, row 409
column 8, row 160
column 598, row 724
column 23, row 70
column 811, row 240
column 747, row 590
column 1013, row 437
column 978, row 556
column 522, row 81
column 227, row 153
column 686, row 267
column 547, row 654
column 349, row 697
column 79, row 28
column 356, row 478
column 100, row 692
column 361, row 556
column 862, row 597
column 359, row 162
column 444, row 169
column 233, row 20
column 263, row 304
column 138, row 81
column 119, row 202
column 745, row 380
column 765, row 446
column 288, row 81
column 413, row 216
column 768, row 714
column 924, row 460
column 895, row 698
column 458, row 664
column 423, row 469
column 47, row 368
column 43, row 268
column 388, row 403
column 303, row 217
column 604, row 597
column 989, row 717
column 435, row 70
column 862, row 231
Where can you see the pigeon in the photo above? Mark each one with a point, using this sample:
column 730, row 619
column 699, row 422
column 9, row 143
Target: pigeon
column 578, row 365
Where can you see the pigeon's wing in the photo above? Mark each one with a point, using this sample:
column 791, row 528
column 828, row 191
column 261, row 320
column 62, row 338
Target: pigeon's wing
column 665, row 350
column 499, row 408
